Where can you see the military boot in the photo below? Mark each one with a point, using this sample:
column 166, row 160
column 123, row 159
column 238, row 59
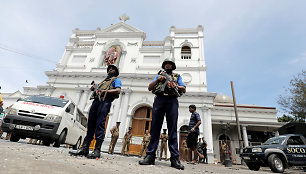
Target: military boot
column 83, row 151
column 175, row 162
column 148, row 160
column 96, row 153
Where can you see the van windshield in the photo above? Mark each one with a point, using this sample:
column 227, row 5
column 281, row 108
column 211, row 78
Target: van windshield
column 52, row 101
column 275, row 140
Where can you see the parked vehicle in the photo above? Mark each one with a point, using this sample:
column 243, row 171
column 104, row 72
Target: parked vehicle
column 53, row 120
column 278, row 153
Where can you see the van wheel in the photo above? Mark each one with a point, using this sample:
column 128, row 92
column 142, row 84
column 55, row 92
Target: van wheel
column 61, row 139
column 14, row 138
column 276, row 164
column 77, row 145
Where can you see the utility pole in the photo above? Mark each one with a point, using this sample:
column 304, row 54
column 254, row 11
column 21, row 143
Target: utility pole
column 237, row 119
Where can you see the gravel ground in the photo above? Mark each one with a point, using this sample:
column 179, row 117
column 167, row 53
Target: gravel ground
column 26, row 158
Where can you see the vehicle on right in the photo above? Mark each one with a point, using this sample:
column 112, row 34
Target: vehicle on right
column 278, row 153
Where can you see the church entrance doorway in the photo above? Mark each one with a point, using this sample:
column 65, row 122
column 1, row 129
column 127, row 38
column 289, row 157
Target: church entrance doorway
column 141, row 122
column 224, row 145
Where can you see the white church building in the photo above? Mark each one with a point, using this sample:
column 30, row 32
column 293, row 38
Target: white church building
column 139, row 61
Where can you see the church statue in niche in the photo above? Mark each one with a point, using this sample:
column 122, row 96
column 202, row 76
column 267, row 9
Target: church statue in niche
column 112, row 55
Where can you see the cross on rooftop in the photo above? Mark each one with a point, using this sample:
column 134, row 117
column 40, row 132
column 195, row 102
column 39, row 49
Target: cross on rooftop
column 124, row 18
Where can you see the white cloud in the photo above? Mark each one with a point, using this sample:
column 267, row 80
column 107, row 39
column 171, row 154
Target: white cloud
column 299, row 60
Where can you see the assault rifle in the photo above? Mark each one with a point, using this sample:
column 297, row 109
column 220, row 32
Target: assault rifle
column 94, row 93
column 168, row 79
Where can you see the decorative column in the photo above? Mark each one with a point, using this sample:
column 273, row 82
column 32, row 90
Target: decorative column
column 124, row 110
column 207, row 130
column 112, row 119
column 63, row 62
column 84, row 98
column 245, row 135
column 69, row 47
column 78, row 95
column 202, row 126
column 122, row 58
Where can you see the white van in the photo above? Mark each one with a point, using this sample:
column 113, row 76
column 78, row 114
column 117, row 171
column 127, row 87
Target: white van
column 46, row 118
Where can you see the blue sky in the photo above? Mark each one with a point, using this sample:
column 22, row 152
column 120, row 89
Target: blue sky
column 258, row 44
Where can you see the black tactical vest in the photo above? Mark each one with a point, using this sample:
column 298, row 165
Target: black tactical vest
column 168, row 91
column 106, row 84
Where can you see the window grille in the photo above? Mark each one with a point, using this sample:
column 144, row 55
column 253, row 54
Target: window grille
column 186, row 52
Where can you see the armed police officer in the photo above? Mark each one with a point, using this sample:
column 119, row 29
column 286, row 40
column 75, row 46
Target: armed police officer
column 108, row 90
column 145, row 142
column 167, row 86
column 163, row 144
column 115, row 134
column 127, row 140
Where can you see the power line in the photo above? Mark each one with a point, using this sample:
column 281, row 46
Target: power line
column 3, row 47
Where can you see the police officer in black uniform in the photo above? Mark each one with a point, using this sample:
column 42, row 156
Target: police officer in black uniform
column 108, row 90
column 165, row 102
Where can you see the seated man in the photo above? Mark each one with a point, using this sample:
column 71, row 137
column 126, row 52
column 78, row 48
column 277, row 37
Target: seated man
column 200, row 147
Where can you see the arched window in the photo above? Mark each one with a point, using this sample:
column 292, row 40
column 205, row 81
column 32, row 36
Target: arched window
column 186, row 52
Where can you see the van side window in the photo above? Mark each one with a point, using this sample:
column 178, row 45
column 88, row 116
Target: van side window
column 295, row 140
column 81, row 118
column 72, row 107
column 84, row 122
column 78, row 116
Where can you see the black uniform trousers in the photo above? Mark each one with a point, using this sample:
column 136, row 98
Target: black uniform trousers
column 96, row 119
column 164, row 105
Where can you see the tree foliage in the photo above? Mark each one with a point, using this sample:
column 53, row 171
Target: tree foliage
column 294, row 101
column 285, row 118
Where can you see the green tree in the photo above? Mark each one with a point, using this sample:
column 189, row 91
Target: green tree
column 285, row 118
column 294, row 101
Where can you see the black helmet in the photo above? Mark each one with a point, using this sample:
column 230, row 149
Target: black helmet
column 168, row 60
column 113, row 66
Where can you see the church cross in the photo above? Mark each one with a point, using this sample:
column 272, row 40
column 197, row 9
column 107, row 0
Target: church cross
column 124, row 18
